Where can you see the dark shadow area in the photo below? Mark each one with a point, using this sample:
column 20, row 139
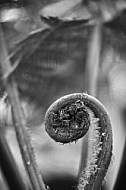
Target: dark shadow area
column 62, row 183
column 121, row 179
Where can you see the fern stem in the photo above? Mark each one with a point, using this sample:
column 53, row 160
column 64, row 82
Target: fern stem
column 92, row 70
column 93, row 60
column 8, row 166
column 20, row 124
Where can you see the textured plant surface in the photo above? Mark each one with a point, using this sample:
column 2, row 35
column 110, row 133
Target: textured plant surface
column 68, row 119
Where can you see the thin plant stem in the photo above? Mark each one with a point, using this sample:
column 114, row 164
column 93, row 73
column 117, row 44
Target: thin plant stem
column 20, row 124
column 9, row 167
column 93, row 60
column 92, row 69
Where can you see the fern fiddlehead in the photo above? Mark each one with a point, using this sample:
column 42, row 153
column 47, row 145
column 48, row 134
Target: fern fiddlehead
column 68, row 119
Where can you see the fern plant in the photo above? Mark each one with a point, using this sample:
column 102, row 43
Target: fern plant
column 41, row 60
column 69, row 119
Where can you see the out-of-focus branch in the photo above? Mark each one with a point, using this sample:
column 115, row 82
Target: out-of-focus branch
column 8, row 166
column 19, row 120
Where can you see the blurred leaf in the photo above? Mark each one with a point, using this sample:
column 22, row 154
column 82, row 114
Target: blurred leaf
column 50, row 59
column 114, row 35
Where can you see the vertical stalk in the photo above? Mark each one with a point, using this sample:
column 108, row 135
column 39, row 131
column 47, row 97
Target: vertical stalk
column 92, row 69
column 93, row 60
column 8, row 166
column 20, row 124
